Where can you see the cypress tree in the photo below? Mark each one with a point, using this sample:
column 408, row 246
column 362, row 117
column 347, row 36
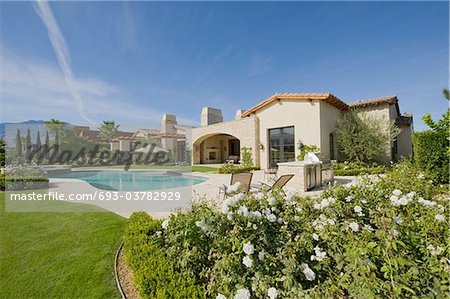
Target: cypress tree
column 18, row 144
column 38, row 140
column 28, row 143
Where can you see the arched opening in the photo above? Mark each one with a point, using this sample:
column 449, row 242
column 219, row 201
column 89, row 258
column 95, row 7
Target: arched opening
column 217, row 149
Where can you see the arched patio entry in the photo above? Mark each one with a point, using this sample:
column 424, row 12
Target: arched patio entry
column 217, row 148
column 222, row 142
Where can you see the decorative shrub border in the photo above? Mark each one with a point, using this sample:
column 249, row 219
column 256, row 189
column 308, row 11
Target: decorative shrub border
column 23, row 183
column 359, row 171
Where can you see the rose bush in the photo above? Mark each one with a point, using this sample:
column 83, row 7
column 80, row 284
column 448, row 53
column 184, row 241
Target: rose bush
column 382, row 237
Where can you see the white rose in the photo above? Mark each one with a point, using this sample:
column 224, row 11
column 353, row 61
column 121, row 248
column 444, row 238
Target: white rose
column 248, row 248
column 439, row 217
column 247, row 261
column 354, row 226
column 272, row 293
column 165, row 224
column 310, row 275
column 261, row 256
column 242, row 294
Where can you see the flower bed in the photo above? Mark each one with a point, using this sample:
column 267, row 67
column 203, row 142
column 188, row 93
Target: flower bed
column 384, row 237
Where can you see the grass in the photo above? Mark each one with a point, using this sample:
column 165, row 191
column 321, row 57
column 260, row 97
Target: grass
column 58, row 255
column 199, row 168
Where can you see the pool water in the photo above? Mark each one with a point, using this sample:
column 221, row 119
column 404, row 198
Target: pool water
column 131, row 180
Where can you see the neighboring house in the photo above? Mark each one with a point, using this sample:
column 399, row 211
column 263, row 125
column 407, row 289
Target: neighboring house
column 94, row 135
column 275, row 129
column 172, row 137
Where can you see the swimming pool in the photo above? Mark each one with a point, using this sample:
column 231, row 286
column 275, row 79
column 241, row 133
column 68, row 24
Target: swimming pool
column 131, row 180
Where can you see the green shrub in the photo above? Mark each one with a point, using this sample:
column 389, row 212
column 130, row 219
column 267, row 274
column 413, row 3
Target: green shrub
column 154, row 273
column 363, row 137
column 22, row 183
column 247, row 160
column 359, row 171
column 354, row 168
column 384, row 237
column 234, row 168
column 431, row 153
column 304, row 149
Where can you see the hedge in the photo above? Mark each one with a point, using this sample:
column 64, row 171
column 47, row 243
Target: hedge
column 154, row 274
column 232, row 168
column 431, row 154
column 358, row 171
column 23, row 183
column 382, row 237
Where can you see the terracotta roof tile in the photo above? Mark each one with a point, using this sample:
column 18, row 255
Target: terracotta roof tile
column 374, row 102
column 326, row 97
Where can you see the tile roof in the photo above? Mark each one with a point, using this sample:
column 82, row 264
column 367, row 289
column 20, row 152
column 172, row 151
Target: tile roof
column 326, row 97
column 172, row 135
column 124, row 137
column 374, row 102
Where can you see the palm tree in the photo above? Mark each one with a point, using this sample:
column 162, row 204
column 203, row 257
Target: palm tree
column 446, row 93
column 56, row 126
column 108, row 130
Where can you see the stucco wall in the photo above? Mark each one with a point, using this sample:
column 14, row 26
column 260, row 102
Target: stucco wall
column 244, row 129
column 329, row 116
column 404, row 142
column 303, row 115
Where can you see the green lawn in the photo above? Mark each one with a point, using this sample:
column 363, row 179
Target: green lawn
column 58, row 255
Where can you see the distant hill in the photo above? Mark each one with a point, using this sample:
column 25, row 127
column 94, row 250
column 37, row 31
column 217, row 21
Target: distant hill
column 12, row 135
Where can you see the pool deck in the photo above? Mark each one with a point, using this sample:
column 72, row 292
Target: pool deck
column 205, row 191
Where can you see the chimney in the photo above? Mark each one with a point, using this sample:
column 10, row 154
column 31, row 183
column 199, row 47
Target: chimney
column 239, row 113
column 168, row 123
column 210, row 116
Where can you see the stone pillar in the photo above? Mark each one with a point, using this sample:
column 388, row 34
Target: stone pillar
column 169, row 121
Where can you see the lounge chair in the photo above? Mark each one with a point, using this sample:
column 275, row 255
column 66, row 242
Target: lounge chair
column 279, row 183
column 244, row 179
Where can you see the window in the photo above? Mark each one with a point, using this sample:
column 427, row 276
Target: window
column 281, row 146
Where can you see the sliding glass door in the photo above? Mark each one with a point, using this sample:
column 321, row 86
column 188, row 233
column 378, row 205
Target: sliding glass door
column 282, row 145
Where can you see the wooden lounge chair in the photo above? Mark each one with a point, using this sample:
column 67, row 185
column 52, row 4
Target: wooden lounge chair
column 279, row 183
column 244, row 178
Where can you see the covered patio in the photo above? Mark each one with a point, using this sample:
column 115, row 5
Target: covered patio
column 217, row 149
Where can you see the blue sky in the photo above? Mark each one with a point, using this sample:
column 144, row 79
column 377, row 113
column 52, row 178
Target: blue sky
column 133, row 61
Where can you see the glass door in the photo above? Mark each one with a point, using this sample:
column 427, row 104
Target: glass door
column 281, row 146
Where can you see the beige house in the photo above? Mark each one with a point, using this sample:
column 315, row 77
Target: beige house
column 173, row 138
column 276, row 128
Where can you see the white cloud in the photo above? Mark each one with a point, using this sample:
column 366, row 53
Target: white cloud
column 62, row 54
column 33, row 89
